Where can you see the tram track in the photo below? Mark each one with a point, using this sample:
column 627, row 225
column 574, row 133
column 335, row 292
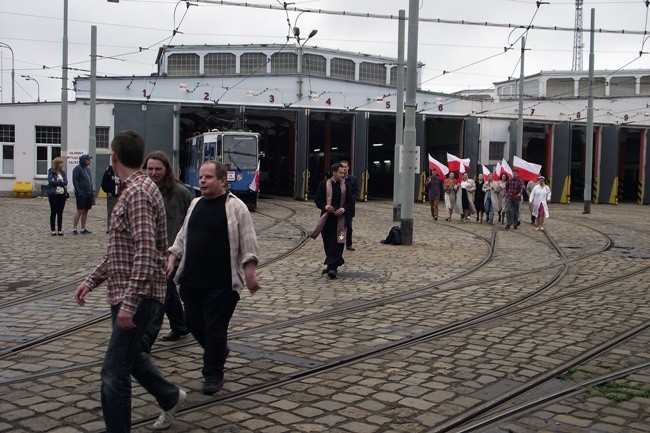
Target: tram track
column 57, row 294
column 342, row 363
column 507, row 309
column 422, row 291
column 444, row 331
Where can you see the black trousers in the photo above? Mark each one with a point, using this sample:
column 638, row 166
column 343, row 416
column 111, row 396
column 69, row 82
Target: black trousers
column 57, row 204
column 174, row 310
column 207, row 315
column 348, row 230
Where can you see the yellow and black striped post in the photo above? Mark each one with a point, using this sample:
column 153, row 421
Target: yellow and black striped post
column 364, row 185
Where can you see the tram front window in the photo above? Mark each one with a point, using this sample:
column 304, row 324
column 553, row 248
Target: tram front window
column 240, row 153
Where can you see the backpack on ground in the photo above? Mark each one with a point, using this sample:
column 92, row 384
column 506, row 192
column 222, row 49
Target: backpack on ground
column 394, row 236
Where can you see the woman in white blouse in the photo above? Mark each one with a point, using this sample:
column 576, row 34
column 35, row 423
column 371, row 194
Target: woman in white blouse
column 539, row 199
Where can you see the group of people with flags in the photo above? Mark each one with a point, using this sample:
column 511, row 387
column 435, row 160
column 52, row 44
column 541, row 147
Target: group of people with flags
column 492, row 193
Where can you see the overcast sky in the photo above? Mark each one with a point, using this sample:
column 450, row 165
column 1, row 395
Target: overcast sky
column 474, row 56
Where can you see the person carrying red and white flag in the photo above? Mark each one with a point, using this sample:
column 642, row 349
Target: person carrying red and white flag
column 255, row 183
column 454, row 163
column 527, row 170
column 505, row 168
column 438, row 167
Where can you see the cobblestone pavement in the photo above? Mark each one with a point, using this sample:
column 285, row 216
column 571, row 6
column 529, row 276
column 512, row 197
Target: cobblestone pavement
column 379, row 349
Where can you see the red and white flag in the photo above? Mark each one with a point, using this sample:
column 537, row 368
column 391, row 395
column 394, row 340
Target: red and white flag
column 527, row 170
column 505, row 168
column 486, row 171
column 255, row 183
column 497, row 171
column 454, row 163
column 439, row 167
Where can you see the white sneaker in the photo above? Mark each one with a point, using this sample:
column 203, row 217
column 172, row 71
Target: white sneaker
column 166, row 417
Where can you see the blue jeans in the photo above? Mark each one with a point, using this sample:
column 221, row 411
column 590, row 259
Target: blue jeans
column 489, row 210
column 124, row 358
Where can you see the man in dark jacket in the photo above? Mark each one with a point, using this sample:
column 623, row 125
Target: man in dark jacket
column 83, row 192
column 434, row 191
column 353, row 189
column 111, row 186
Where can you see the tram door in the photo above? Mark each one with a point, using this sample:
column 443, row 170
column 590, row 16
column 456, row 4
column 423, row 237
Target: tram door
column 330, row 140
column 608, row 166
column 629, row 163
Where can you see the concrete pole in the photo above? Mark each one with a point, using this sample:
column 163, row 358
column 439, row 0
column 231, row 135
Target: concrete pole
column 520, row 118
column 589, row 145
column 92, row 136
column 409, row 159
column 399, row 118
column 64, row 88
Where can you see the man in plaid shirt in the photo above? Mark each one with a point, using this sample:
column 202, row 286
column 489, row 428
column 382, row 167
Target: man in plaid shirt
column 514, row 190
column 134, row 268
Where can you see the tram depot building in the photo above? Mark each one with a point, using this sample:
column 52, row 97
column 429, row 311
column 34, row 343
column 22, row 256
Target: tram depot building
column 313, row 107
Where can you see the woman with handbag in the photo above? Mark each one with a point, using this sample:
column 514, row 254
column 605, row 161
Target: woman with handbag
column 57, row 193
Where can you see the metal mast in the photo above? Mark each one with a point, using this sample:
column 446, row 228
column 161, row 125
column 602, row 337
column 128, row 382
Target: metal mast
column 578, row 44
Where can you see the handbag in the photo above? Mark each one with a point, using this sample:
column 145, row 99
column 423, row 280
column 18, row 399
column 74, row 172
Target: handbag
column 59, row 190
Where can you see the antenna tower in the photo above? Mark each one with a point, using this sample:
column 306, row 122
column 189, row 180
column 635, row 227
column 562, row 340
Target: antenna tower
column 578, row 44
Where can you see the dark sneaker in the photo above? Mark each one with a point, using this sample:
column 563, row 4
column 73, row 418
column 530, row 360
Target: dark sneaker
column 174, row 335
column 331, row 273
column 212, row 385
column 508, row 227
column 75, row 232
column 85, row 232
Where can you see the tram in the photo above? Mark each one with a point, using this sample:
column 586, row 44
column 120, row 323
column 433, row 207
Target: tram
column 238, row 150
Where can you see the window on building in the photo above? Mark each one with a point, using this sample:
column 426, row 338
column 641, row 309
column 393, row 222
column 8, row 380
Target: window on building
column 219, row 64
column 252, row 64
column 48, row 147
column 393, row 75
column 559, row 88
column 7, row 140
column 622, row 86
column 314, row 65
column 183, row 64
column 284, row 63
column 599, row 87
column 497, row 149
column 342, row 68
column 505, row 92
column 645, row 86
column 101, row 137
column 373, row 73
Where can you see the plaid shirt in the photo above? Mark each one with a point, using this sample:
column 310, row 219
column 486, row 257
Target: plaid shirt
column 514, row 188
column 137, row 243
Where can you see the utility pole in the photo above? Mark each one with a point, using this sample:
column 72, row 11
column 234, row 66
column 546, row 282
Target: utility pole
column 92, row 136
column 520, row 118
column 64, row 88
column 589, row 145
column 399, row 118
column 409, row 155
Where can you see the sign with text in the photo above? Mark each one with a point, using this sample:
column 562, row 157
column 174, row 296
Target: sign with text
column 73, row 156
